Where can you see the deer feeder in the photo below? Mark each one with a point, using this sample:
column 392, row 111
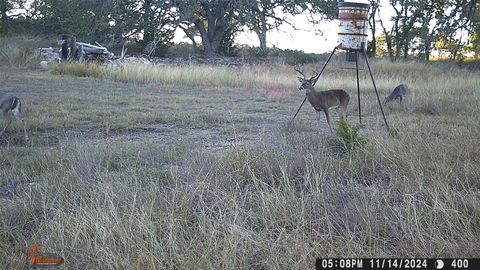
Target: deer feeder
column 352, row 38
column 353, row 26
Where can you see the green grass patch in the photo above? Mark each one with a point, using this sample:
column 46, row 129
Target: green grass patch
column 349, row 135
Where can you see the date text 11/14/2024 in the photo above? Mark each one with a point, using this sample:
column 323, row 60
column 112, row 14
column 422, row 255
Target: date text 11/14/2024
column 396, row 263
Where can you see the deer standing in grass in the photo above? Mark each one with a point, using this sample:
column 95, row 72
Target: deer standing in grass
column 398, row 93
column 11, row 104
column 323, row 100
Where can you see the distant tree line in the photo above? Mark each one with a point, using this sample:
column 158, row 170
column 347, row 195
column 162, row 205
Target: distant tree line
column 418, row 26
column 152, row 23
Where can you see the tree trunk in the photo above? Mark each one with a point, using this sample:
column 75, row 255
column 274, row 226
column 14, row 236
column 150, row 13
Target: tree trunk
column 405, row 48
column 455, row 53
column 457, row 48
column 262, row 31
column 73, row 48
column 371, row 22
column 396, row 28
column 64, row 47
column 191, row 37
column 148, row 27
column 4, row 27
column 210, row 39
column 388, row 40
column 207, row 48
column 427, row 50
column 218, row 21
column 262, row 38
column 398, row 45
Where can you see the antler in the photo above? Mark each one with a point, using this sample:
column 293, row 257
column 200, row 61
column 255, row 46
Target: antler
column 299, row 71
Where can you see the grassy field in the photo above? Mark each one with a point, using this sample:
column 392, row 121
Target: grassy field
column 199, row 167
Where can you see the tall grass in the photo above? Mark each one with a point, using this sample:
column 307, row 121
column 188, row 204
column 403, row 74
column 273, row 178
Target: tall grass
column 247, row 77
column 155, row 194
column 19, row 52
column 278, row 204
column 278, row 80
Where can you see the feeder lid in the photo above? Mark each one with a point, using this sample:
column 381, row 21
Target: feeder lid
column 353, row 4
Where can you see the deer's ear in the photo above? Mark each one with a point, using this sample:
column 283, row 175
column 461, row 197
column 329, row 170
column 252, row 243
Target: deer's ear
column 300, row 79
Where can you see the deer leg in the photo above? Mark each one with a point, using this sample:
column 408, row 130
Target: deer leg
column 344, row 111
column 319, row 119
column 328, row 120
column 401, row 99
column 9, row 121
column 25, row 130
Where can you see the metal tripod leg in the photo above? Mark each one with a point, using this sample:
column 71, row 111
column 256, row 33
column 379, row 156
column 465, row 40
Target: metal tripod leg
column 325, row 65
column 375, row 87
column 318, row 76
column 305, row 99
column 358, row 89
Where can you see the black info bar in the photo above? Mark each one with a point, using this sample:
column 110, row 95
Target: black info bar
column 397, row 263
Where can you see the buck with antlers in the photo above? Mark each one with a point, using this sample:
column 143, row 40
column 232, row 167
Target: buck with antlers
column 323, row 100
column 11, row 104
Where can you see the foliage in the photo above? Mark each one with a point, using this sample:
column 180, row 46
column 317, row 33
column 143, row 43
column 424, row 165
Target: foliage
column 418, row 25
column 372, row 21
column 227, row 46
column 291, row 57
column 6, row 6
column 182, row 49
column 148, row 22
column 87, row 20
column 108, row 22
column 349, row 135
column 474, row 45
column 214, row 21
column 17, row 52
column 262, row 16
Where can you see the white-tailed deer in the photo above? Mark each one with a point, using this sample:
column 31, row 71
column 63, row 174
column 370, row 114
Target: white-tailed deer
column 398, row 93
column 323, row 100
column 11, row 104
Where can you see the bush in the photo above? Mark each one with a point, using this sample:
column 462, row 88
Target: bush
column 19, row 51
column 349, row 136
column 182, row 49
column 290, row 57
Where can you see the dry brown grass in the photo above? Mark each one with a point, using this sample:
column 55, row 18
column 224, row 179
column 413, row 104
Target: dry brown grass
column 186, row 167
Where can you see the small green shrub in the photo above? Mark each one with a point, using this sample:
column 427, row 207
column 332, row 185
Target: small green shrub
column 349, row 135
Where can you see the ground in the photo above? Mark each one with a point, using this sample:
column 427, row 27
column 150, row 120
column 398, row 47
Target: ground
column 129, row 175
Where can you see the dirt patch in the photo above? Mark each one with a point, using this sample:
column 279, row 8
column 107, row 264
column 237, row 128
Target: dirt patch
column 253, row 128
column 9, row 140
column 10, row 189
column 44, row 139
column 215, row 137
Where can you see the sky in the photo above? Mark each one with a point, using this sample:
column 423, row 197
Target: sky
column 307, row 37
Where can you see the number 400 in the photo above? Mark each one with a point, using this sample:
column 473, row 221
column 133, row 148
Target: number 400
column 459, row 263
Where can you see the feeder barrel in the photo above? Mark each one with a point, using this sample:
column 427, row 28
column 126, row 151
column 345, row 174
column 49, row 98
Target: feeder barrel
column 353, row 26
